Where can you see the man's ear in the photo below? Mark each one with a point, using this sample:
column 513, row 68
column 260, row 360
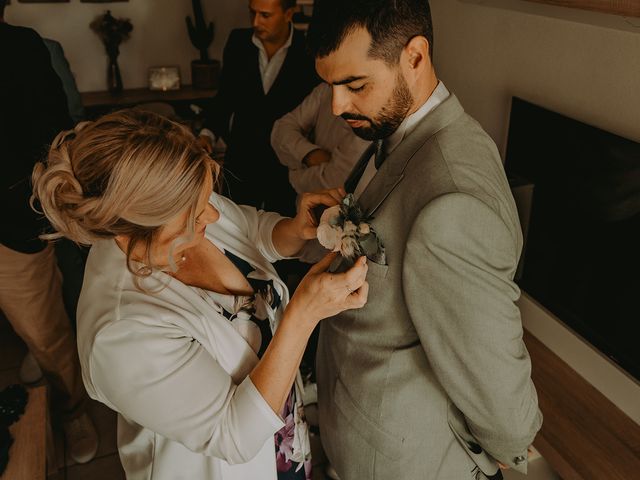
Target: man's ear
column 415, row 54
column 288, row 13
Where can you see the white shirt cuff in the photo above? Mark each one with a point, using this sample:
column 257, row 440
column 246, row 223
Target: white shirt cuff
column 205, row 132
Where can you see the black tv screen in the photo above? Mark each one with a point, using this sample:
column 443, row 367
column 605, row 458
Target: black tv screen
column 582, row 257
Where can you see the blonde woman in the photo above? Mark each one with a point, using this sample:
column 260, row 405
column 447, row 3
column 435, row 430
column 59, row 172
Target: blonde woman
column 184, row 327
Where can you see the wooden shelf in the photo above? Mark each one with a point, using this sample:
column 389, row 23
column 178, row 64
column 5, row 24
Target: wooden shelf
column 144, row 95
column 584, row 436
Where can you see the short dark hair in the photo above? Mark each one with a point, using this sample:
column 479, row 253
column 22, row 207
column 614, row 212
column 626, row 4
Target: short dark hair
column 391, row 24
column 287, row 4
column 3, row 3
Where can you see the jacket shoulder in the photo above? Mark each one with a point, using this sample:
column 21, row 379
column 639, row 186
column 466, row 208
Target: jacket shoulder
column 19, row 36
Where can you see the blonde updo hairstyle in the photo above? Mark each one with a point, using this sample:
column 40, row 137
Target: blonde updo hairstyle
column 128, row 173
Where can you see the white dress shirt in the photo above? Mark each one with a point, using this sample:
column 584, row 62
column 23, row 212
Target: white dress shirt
column 174, row 368
column 439, row 95
column 270, row 68
column 311, row 126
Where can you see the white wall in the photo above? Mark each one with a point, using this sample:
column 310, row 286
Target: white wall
column 159, row 34
column 581, row 64
column 585, row 71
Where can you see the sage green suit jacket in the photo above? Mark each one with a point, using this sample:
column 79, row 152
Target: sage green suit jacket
column 431, row 379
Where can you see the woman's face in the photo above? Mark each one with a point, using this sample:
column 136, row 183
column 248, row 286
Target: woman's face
column 178, row 227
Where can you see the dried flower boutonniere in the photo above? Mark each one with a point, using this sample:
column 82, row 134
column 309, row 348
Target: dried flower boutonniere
column 345, row 229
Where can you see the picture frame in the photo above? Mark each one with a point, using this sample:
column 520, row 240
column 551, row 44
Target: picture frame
column 42, row 1
column 164, row 78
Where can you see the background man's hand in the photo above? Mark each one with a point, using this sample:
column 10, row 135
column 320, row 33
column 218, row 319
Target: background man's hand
column 316, row 157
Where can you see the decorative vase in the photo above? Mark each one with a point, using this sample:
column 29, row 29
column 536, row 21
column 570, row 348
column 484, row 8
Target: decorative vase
column 114, row 80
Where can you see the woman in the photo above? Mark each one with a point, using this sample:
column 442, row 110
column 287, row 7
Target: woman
column 180, row 303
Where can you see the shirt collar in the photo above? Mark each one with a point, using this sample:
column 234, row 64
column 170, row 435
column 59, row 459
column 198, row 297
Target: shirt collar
column 439, row 95
column 258, row 43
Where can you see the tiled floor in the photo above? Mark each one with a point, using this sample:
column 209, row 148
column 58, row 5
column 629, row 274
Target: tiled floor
column 106, row 465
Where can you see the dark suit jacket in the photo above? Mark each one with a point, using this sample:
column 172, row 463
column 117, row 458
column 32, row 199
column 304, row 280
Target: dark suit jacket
column 33, row 110
column 254, row 174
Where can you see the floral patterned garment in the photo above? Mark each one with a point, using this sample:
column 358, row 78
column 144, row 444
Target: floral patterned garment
column 252, row 317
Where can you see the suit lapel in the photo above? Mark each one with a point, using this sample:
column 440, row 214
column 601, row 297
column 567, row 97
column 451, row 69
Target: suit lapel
column 391, row 172
column 351, row 182
column 254, row 69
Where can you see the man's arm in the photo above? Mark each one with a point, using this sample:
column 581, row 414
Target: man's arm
column 334, row 173
column 457, row 278
column 290, row 134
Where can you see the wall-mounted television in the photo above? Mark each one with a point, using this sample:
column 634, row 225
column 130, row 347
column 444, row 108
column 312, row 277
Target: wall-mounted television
column 582, row 258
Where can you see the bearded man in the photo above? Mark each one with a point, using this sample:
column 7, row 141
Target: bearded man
column 431, row 379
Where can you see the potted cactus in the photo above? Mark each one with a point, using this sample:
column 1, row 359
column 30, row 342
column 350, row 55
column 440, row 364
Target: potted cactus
column 205, row 72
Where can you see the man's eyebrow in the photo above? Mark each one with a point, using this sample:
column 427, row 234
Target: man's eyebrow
column 349, row 80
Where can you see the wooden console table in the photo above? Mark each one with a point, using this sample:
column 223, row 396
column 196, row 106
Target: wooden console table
column 99, row 103
column 584, row 436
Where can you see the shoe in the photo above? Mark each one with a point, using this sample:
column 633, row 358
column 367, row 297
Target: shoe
column 30, row 371
column 82, row 438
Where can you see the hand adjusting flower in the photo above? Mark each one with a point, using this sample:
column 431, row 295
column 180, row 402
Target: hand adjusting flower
column 345, row 229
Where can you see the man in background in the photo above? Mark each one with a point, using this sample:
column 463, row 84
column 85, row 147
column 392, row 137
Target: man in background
column 318, row 148
column 34, row 110
column 266, row 73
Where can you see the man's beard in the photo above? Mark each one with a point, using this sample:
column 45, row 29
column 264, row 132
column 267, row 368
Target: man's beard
column 390, row 116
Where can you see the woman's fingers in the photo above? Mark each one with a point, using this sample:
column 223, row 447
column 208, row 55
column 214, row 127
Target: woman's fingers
column 338, row 194
column 353, row 278
column 358, row 299
column 329, row 198
column 326, row 199
column 324, row 264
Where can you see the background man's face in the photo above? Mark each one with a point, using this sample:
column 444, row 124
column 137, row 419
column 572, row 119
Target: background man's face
column 370, row 95
column 269, row 21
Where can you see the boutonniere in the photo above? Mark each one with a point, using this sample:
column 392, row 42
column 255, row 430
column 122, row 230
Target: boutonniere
column 345, row 229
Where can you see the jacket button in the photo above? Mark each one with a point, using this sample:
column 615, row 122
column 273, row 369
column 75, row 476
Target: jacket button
column 520, row 459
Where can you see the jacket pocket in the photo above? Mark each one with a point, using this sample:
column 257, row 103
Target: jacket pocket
column 382, row 441
column 377, row 269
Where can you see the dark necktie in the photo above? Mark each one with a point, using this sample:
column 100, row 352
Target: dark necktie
column 376, row 148
column 381, row 155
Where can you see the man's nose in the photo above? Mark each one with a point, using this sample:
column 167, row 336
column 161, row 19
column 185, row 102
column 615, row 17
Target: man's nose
column 340, row 102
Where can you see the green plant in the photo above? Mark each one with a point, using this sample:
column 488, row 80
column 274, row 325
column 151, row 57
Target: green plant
column 201, row 35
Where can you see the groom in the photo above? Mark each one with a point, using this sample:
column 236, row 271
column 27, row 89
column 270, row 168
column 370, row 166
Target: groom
column 431, row 380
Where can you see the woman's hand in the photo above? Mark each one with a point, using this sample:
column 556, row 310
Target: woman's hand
column 305, row 221
column 321, row 294
column 291, row 234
